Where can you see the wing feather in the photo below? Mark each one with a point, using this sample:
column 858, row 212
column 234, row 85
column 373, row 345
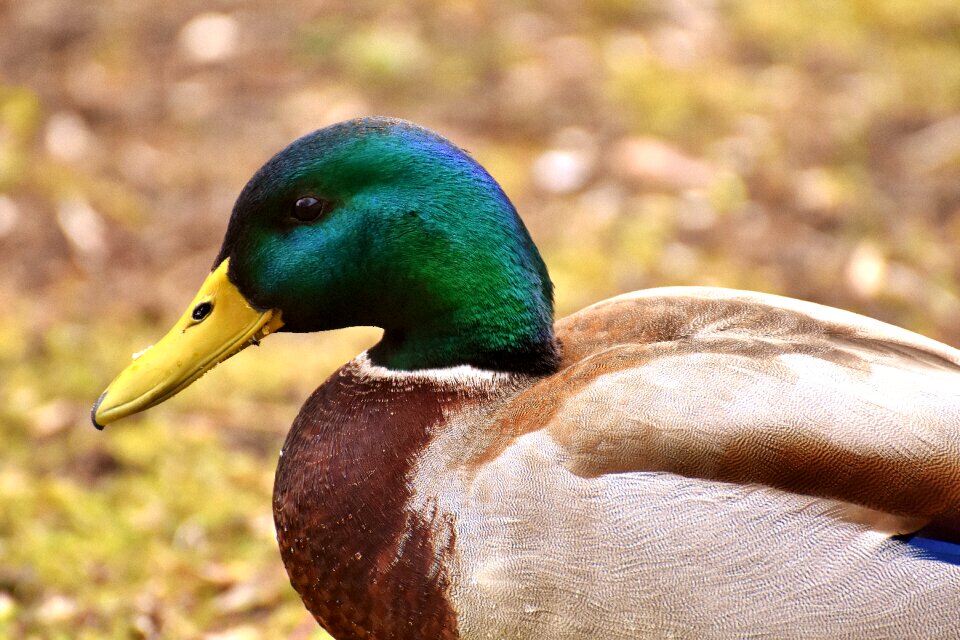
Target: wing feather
column 752, row 388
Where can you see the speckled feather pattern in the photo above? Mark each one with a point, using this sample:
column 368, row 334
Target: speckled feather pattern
column 705, row 464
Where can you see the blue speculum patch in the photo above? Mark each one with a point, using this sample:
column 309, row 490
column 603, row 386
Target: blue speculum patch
column 935, row 549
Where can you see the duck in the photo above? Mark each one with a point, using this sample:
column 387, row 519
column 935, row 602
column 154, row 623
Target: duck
column 678, row 462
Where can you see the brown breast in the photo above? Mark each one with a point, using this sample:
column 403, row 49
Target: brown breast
column 364, row 566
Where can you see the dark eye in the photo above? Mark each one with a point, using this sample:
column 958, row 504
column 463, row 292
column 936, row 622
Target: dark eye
column 309, row 208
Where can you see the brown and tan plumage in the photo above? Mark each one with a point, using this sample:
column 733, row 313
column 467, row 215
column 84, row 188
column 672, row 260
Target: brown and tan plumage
column 673, row 463
column 717, row 402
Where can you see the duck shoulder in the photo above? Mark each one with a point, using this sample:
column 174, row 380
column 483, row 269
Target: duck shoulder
column 753, row 388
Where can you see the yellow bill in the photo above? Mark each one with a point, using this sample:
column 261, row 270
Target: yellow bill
column 217, row 324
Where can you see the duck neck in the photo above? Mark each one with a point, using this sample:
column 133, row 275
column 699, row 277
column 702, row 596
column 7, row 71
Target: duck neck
column 497, row 315
column 401, row 349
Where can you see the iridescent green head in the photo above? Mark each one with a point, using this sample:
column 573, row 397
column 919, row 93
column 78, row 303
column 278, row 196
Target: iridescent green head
column 381, row 222
column 369, row 222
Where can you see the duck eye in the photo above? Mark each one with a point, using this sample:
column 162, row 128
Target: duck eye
column 309, row 208
column 201, row 311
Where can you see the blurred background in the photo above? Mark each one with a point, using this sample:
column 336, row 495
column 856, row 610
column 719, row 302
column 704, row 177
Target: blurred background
column 804, row 147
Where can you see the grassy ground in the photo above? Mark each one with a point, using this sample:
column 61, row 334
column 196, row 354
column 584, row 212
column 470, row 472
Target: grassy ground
column 802, row 147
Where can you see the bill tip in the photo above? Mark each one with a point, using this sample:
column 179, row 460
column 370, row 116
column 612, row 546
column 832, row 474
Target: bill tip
column 93, row 412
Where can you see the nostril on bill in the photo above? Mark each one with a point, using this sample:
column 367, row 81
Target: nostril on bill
column 201, row 311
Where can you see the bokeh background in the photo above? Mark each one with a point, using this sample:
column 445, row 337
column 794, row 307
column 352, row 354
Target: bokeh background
column 803, row 147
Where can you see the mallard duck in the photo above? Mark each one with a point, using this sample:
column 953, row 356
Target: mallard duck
column 677, row 462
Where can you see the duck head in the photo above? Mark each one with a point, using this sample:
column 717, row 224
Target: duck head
column 369, row 222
